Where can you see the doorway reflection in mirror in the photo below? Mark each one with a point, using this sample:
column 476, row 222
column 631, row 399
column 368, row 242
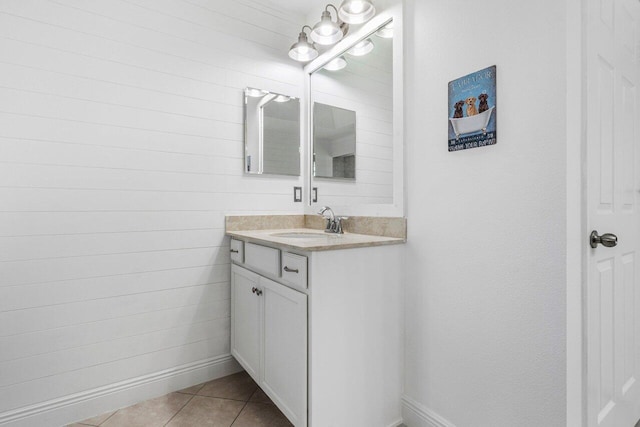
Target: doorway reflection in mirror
column 272, row 133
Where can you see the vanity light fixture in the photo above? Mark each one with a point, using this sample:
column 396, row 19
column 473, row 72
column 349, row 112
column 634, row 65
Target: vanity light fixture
column 386, row 32
column 327, row 32
column 362, row 48
column 255, row 93
column 302, row 50
column 356, row 11
column 336, row 64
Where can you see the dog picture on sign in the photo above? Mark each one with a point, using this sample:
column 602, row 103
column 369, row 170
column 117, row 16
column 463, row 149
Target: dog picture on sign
column 472, row 110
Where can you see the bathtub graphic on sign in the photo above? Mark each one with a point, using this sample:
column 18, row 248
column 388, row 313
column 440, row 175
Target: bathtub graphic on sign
column 465, row 125
column 472, row 110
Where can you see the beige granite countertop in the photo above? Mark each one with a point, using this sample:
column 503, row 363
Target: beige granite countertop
column 320, row 242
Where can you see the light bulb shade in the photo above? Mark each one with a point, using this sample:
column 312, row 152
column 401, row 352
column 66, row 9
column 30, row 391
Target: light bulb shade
column 302, row 50
column 326, row 32
column 255, row 93
column 386, row 32
column 362, row 48
column 282, row 98
column 336, row 64
column 356, row 11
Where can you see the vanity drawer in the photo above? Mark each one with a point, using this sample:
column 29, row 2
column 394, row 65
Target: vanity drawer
column 294, row 270
column 237, row 250
column 262, row 258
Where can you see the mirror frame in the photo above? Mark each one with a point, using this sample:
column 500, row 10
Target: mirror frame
column 397, row 208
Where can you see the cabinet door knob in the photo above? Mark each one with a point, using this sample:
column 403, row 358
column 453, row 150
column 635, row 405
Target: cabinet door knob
column 258, row 292
column 290, row 270
column 253, row 290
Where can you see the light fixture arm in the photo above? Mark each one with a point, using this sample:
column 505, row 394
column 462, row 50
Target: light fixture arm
column 328, row 32
column 326, row 9
column 302, row 50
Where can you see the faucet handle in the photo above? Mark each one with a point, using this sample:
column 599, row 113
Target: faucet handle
column 331, row 219
column 339, row 220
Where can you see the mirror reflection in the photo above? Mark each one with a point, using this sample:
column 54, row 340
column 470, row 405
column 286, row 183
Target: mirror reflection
column 334, row 136
column 272, row 133
column 355, row 90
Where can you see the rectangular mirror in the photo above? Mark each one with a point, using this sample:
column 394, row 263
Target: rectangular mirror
column 272, row 133
column 352, row 101
column 334, row 136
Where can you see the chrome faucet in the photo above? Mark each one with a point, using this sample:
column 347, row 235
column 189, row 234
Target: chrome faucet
column 334, row 223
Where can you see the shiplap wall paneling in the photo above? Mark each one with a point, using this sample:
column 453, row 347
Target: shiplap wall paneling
column 121, row 150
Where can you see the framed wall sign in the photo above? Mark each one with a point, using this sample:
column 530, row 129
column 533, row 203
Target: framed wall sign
column 472, row 110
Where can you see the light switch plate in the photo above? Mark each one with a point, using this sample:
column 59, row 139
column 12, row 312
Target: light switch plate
column 297, row 194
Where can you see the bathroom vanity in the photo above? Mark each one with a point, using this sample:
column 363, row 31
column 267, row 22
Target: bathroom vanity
column 316, row 317
column 316, row 321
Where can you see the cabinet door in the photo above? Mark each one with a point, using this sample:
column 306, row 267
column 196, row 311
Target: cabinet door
column 245, row 320
column 284, row 369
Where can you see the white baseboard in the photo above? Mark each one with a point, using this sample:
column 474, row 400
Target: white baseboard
column 418, row 415
column 396, row 423
column 80, row 406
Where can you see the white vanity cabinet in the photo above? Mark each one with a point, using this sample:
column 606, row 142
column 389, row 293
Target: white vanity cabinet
column 284, row 349
column 269, row 339
column 323, row 337
column 246, row 319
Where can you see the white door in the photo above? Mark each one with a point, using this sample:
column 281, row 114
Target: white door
column 284, row 376
column 613, row 148
column 246, row 320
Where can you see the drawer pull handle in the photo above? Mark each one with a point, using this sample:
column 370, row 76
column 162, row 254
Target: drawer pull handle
column 290, row 270
column 234, row 251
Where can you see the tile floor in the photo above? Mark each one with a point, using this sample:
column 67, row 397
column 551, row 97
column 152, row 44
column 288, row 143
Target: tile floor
column 235, row 401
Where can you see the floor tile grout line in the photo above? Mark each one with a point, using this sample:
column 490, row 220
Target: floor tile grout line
column 112, row 414
column 254, row 393
column 240, row 412
column 192, row 395
column 201, row 386
column 196, row 393
column 179, row 410
column 221, row 398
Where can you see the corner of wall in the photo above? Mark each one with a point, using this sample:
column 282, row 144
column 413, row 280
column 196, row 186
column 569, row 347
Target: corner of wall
column 417, row 415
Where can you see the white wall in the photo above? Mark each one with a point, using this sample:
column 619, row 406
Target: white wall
column 485, row 295
column 120, row 153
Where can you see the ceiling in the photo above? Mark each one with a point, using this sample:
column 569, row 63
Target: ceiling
column 302, row 7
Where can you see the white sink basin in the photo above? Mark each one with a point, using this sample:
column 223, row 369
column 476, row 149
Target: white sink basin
column 303, row 235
